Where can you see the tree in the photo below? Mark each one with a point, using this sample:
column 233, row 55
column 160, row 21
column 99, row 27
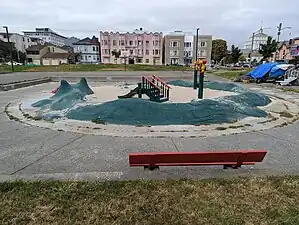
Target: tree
column 219, row 50
column 235, row 54
column 17, row 56
column 242, row 58
column 116, row 55
column 267, row 49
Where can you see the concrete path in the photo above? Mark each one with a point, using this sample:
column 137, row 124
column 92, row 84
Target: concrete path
column 36, row 153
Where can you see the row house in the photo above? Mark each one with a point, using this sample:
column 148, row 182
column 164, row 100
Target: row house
column 138, row 47
column 180, row 48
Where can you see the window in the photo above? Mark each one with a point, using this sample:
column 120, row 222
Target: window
column 153, row 42
column 202, row 44
column 53, row 49
column 140, row 43
column 175, row 53
column 89, row 56
column 94, row 58
column 131, row 52
column 156, row 43
column 153, row 52
column 85, row 49
column 147, row 52
column 147, row 61
column 131, row 43
column 156, row 52
column 174, row 44
column 122, row 42
column 139, row 60
column 202, row 53
column 93, row 48
column 97, row 48
column 147, row 43
column 187, row 44
column 114, row 42
column 85, row 57
column 105, row 42
column 98, row 58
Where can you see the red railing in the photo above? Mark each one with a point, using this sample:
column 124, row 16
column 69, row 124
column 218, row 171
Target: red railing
column 162, row 85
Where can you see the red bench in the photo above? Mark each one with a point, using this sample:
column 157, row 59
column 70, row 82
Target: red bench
column 233, row 159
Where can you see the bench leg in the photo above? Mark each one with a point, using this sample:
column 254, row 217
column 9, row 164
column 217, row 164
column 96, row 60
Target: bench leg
column 231, row 167
column 151, row 167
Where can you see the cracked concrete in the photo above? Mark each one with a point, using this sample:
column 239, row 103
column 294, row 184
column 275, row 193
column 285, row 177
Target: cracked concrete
column 28, row 152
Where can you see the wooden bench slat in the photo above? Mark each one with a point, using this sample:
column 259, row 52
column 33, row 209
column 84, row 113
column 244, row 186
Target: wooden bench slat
column 238, row 158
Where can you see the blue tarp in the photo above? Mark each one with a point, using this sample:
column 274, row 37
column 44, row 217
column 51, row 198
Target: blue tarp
column 276, row 72
column 261, row 70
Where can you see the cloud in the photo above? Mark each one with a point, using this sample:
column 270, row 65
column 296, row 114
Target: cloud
column 233, row 20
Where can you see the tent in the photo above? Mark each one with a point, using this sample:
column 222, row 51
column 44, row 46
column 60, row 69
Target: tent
column 261, row 71
column 274, row 70
column 279, row 70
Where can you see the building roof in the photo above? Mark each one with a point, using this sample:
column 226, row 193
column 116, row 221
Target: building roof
column 44, row 30
column 87, row 41
column 36, row 47
column 57, row 55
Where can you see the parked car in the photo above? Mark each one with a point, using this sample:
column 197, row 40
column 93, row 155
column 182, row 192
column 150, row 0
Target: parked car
column 14, row 63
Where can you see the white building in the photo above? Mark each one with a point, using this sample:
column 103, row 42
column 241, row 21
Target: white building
column 21, row 42
column 47, row 35
column 89, row 50
column 188, row 48
column 259, row 38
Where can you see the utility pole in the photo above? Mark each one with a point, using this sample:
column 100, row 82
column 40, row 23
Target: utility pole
column 195, row 64
column 279, row 29
column 251, row 50
column 11, row 48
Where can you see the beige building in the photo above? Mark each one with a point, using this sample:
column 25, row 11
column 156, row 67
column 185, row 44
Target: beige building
column 47, row 55
column 174, row 48
column 204, row 48
column 180, row 48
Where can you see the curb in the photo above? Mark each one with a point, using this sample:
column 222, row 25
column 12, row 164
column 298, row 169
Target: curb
column 12, row 86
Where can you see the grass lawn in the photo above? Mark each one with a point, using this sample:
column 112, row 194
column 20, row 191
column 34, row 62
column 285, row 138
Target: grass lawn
column 230, row 74
column 101, row 67
column 272, row 200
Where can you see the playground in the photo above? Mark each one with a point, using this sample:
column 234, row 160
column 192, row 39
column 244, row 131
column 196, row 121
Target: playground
column 154, row 108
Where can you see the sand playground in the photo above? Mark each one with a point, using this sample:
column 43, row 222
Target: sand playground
column 282, row 110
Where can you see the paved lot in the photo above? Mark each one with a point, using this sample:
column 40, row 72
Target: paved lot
column 38, row 153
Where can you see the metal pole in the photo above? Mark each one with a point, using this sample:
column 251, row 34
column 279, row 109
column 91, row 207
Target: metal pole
column 11, row 48
column 251, row 50
column 278, row 34
column 196, row 58
column 201, row 80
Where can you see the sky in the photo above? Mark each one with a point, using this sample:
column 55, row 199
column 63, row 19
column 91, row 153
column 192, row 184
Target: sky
column 232, row 20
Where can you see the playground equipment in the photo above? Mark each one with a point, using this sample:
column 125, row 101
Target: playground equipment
column 199, row 65
column 229, row 159
column 155, row 88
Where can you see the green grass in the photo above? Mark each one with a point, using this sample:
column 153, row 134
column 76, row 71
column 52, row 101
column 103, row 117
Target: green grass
column 101, row 67
column 230, row 74
column 272, row 200
column 286, row 114
column 290, row 90
column 98, row 121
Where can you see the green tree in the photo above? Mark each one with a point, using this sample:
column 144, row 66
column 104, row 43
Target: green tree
column 235, row 54
column 116, row 55
column 242, row 58
column 219, row 50
column 268, row 49
column 17, row 56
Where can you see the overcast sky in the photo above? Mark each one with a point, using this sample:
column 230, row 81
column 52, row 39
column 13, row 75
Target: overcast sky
column 233, row 20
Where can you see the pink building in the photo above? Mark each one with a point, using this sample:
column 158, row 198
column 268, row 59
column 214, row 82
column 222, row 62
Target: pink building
column 138, row 47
